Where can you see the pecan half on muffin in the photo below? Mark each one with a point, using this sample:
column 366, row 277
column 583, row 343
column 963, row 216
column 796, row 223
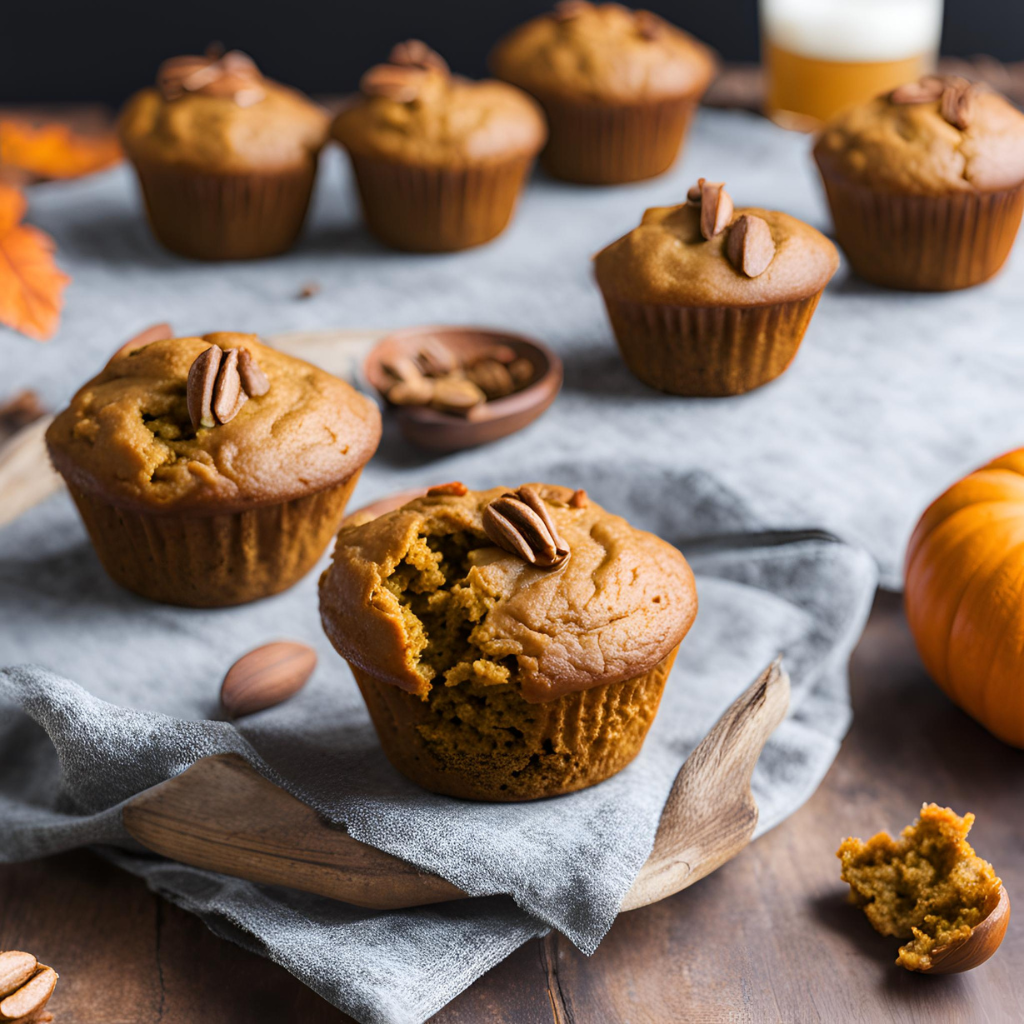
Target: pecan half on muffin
column 225, row 158
column 212, row 471
column 439, row 160
column 926, row 183
column 709, row 300
column 619, row 88
column 509, row 645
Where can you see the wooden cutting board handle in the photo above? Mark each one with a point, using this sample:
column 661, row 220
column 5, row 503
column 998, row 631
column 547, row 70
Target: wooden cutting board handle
column 222, row 815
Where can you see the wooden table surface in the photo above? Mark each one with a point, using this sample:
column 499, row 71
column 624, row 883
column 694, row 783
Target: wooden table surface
column 768, row 937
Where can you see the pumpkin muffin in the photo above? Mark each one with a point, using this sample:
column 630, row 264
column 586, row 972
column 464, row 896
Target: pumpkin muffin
column 211, row 471
column 928, row 886
column 225, row 158
column 708, row 300
column 509, row 645
column 926, row 183
column 439, row 160
column 619, row 87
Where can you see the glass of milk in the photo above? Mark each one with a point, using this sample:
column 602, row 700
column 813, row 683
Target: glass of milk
column 823, row 55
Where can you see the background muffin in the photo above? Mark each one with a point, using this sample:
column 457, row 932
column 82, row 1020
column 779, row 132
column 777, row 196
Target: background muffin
column 926, row 184
column 619, row 88
column 226, row 159
column 508, row 646
column 439, row 160
column 211, row 471
column 710, row 300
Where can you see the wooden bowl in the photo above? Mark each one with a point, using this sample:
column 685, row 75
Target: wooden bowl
column 445, row 432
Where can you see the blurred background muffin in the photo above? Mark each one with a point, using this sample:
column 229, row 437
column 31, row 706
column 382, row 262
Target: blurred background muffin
column 708, row 300
column 211, row 471
column 225, row 158
column 926, row 183
column 619, row 88
column 508, row 645
column 439, row 160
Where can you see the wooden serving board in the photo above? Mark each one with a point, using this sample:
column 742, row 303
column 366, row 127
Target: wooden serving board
column 222, row 815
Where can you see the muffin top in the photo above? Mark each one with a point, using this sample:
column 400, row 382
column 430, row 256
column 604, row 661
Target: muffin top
column 216, row 424
column 933, row 137
column 707, row 253
column 221, row 114
column 603, row 52
column 443, row 589
column 413, row 110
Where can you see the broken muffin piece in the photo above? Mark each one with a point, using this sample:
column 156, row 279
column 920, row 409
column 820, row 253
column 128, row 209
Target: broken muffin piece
column 493, row 677
column 928, row 886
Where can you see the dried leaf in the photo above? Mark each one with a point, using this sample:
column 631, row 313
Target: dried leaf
column 54, row 150
column 31, row 286
column 12, row 208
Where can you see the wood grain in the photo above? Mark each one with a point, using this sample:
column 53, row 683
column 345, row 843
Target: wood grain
column 222, row 815
column 768, row 937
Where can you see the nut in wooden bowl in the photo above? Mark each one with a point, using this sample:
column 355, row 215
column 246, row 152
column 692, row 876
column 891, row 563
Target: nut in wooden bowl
column 25, row 987
column 929, row 886
column 458, row 387
column 266, row 676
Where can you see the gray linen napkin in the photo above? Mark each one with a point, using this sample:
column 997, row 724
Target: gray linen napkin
column 147, row 686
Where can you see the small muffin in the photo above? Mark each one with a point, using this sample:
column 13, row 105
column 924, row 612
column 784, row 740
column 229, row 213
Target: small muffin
column 509, row 645
column 439, row 160
column 708, row 300
column 926, row 183
column 225, row 158
column 619, row 87
column 211, row 471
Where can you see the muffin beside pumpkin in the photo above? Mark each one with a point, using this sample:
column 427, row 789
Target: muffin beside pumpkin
column 510, row 645
column 225, row 158
column 709, row 300
column 211, row 471
column 926, row 183
column 439, row 160
column 619, row 88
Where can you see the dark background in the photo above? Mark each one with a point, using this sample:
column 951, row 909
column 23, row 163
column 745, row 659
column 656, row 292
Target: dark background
column 79, row 50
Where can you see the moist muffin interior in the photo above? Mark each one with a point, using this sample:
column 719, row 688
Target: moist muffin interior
column 928, row 885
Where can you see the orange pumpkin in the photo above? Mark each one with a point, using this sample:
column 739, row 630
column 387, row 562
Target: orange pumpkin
column 964, row 594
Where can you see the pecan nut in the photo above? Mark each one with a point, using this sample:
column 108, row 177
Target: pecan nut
column 521, row 524
column 750, row 246
column 924, row 90
column 220, row 383
column 414, row 53
column 389, row 81
column 25, row 985
column 716, row 207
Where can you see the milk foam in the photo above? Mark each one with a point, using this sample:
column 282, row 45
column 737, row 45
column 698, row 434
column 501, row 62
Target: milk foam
column 853, row 30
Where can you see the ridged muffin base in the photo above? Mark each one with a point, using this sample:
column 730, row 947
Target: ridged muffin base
column 709, row 351
column 208, row 216
column 438, row 209
column 497, row 746
column 923, row 243
column 213, row 561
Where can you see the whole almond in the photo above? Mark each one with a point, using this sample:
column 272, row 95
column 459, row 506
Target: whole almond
column 522, row 372
column 456, row 395
column 32, row 996
column 418, row 391
column 266, row 676
column 493, row 378
column 750, row 246
column 16, row 968
column 228, row 394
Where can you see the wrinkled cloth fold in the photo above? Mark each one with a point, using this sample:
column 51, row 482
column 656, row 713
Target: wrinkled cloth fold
column 144, row 703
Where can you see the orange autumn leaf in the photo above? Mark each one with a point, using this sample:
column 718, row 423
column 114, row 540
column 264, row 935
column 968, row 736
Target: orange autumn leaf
column 12, row 208
column 31, row 286
column 54, row 150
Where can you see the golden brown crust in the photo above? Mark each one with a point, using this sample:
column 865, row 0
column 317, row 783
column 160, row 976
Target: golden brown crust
column 667, row 259
column 619, row 605
column 127, row 436
column 284, row 130
column 911, row 148
column 451, row 121
column 604, row 53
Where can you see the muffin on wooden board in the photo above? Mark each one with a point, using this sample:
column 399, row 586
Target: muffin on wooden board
column 212, row 471
column 926, row 183
column 619, row 87
column 509, row 645
column 439, row 160
column 708, row 300
column 226, row 159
